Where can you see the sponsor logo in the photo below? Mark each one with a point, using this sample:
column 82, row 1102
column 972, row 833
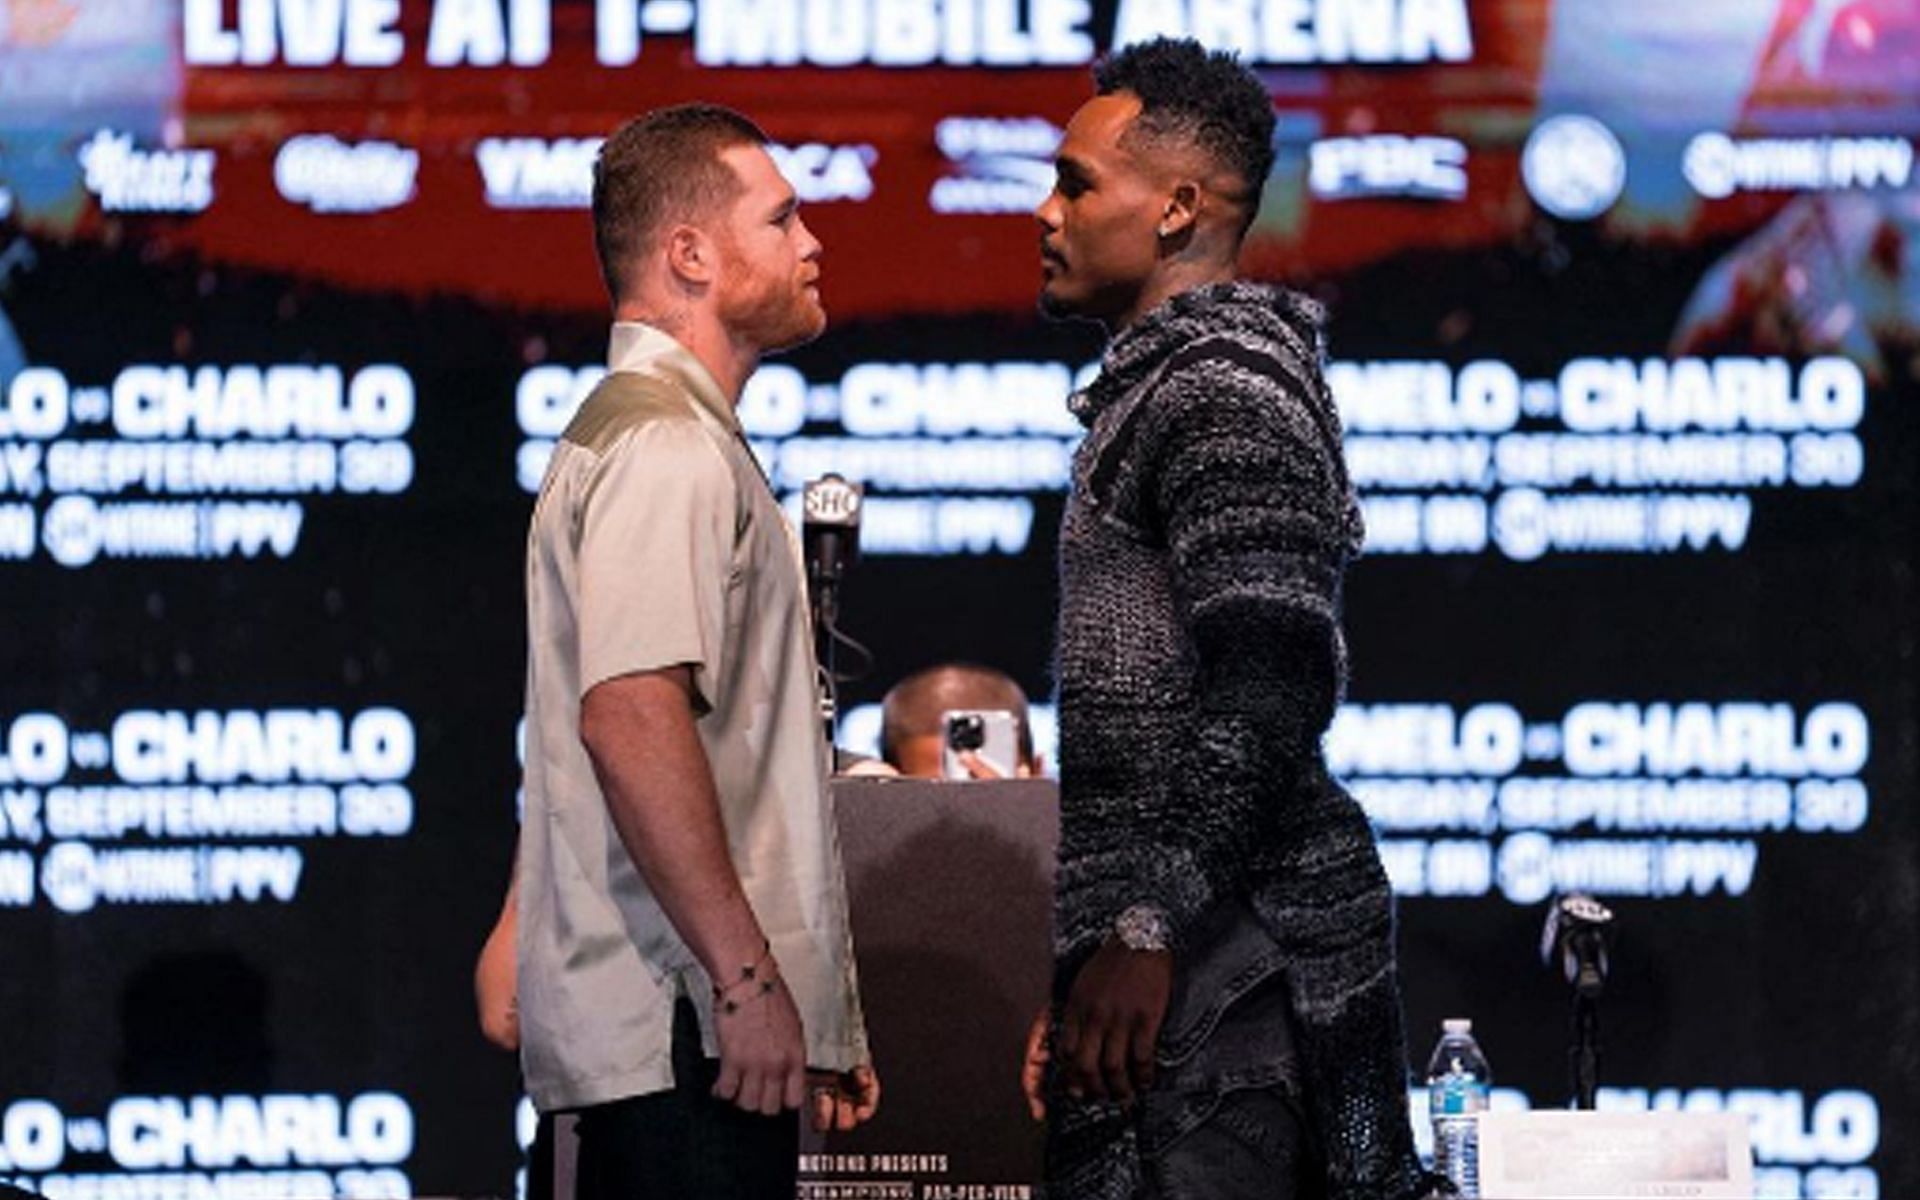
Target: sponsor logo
column 537, row 172
column 127, row 178
column 995, row 164
column 1574, row 167
column 541, row 173
column 1388, row 165
column 822, row 174
column 330, row 176
column 1717, row 166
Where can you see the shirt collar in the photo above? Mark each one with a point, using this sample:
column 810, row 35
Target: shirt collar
column 642, row 348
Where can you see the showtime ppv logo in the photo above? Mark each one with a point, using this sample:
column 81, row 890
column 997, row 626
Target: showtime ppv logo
column 522, row 173
column 1717, row 166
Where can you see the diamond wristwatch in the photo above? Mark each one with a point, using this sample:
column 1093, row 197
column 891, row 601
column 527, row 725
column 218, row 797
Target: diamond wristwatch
column 1143, row 927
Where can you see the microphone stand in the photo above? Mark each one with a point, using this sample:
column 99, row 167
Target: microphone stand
column 1575, row 942
column 830, row 533
column 1588, row 976
column 1583, row 1054
column 826, row 619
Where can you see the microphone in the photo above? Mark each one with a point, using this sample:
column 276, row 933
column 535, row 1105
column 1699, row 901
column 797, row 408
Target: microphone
column 830, row 540
column 830, row 533
column 1576, row 936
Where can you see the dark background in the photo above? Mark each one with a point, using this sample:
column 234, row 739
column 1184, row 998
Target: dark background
column 1807, row 983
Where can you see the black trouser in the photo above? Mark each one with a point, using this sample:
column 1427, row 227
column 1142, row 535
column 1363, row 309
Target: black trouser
column 540, row 1160
column 684, row 1142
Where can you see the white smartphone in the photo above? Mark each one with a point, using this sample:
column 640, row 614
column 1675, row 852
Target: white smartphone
column 990, row 734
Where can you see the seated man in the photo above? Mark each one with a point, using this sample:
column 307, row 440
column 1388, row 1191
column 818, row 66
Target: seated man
column 912, row 738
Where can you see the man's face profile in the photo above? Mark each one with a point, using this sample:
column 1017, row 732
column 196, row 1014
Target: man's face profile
column 1098, row 244
column 769, row 293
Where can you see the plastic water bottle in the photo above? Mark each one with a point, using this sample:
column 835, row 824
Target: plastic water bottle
column 1457, row 1081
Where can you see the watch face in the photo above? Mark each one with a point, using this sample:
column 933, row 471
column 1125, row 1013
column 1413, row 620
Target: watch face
column 1142, row 927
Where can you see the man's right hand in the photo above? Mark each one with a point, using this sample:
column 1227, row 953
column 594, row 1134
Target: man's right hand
column 1033, row 1065
column 495, row 987
column 494, row 990
column 763, row 1059
column 652, row 768
column 844, row 1100
column 976, row 765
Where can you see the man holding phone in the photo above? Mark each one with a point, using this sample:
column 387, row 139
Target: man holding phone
column 958, row 721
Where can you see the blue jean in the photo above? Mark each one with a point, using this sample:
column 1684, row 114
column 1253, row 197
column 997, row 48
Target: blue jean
column 1223, row 1119
column 1235, row 1145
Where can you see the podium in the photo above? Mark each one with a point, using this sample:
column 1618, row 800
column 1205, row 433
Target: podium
column 951, row 889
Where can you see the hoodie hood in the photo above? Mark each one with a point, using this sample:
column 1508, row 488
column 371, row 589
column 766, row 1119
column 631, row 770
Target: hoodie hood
column 1254, row 314
column 1257, row 312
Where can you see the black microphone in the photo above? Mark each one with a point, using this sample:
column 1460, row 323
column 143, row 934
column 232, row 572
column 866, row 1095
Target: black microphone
column 1576, row 938
column 830, row 533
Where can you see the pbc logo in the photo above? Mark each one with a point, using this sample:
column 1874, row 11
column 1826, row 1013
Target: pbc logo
column 1388, row 165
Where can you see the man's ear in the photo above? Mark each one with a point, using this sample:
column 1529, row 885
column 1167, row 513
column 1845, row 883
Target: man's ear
column 1181, row 210
column 691, row 255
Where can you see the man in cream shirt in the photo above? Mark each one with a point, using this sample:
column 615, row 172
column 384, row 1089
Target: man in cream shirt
column 686, row 974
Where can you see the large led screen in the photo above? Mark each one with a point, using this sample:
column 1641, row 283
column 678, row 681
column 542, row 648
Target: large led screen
column 296, row 294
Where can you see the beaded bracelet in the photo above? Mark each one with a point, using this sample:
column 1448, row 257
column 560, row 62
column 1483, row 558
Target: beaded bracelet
column 722, row 996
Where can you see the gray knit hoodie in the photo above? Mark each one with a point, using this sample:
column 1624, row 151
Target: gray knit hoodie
column 1200, row 659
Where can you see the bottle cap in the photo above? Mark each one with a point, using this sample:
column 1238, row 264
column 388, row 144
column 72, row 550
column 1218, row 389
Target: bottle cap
column 1456, row 1025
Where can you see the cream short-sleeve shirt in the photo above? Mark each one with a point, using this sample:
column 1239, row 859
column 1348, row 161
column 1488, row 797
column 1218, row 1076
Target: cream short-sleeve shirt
column 656, row 542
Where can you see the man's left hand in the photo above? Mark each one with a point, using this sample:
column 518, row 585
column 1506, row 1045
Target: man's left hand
column 843, row 1100
column 494, row 991
column 1111, row 1022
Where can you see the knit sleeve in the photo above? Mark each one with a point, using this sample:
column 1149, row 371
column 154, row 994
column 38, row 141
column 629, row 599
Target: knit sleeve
column 1245, row 483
